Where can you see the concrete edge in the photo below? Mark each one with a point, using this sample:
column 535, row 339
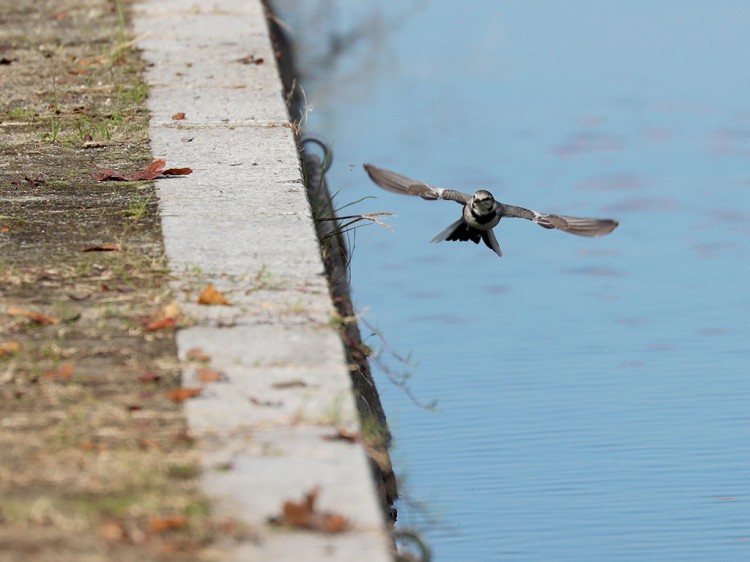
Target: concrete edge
column 242, row 222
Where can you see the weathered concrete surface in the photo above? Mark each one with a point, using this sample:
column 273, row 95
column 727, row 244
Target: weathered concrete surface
column 242, row 222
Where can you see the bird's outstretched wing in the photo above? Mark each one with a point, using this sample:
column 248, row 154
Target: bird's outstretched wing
column 574, row 225
column 391, row 181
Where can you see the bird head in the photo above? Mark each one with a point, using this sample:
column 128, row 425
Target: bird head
column 482, row 201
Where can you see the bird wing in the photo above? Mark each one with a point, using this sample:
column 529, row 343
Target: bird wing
column 578, row 225
column 391, row 181
column 574, row 225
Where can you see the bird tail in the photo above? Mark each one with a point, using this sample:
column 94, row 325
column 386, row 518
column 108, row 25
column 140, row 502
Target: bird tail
column 460, row 231
column 488, row 236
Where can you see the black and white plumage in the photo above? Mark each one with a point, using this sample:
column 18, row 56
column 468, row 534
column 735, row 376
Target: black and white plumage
column 482, row 213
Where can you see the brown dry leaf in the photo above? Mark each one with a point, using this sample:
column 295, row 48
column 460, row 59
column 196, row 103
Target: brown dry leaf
column 35, row 317
column 149, row 378
column 163, row 524
column 167, row 316
column 250, row 59
column 197, row 354
column 5, row 228
column 64, row 373
column 179, row 116
column 304, row 516
column 206, row 375
column 177, row 172
column 162, row 324
column 32, row 182
column 9, row 347
column 184, row 393
column 343, row 434
column 211, row 295
column 152, row 171
column 104, row 248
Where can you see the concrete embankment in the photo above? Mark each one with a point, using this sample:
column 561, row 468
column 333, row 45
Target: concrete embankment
column 285, row 421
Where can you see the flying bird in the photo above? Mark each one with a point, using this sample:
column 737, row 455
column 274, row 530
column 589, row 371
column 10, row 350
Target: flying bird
column 482, row 212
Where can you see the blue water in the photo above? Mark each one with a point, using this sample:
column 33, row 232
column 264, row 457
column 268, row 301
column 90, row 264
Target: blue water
column 593, row 395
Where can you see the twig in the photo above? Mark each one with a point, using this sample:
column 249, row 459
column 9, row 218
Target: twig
column 399, row 380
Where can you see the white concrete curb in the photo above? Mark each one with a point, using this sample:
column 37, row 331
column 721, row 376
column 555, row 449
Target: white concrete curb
column 242, row 222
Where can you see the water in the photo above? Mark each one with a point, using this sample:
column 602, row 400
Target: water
column 592, row 394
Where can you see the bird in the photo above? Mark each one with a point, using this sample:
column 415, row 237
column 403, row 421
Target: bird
column 482, row 212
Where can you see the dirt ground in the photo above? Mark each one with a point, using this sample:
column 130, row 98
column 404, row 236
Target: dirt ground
column 95, row 459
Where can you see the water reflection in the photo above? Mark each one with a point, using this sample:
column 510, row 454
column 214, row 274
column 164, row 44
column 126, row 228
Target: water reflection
column 593, row 394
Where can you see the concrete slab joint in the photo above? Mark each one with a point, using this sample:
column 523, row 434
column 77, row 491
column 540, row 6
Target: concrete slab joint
column 242, row 222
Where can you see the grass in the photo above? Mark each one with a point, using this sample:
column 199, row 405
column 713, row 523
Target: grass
column 121, row 23
column 138, row 208
column 100, row 118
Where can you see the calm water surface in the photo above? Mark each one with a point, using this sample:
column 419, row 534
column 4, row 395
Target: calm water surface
column 593, row 395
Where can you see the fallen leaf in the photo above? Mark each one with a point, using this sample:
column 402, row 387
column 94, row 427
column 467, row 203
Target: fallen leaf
column 64, row 373
column 152, row 171
column 149, row 377
column 35, row 317
column 211, row 295
column 103, row 248
column 164, row 524
column 166, row 317
column 178, row 116
column 197, row 354
column 250, row 59
column 5, row 228
column 184, row 393
column 343, row 434
column 304, row 516
column 162, row 324
column 177, row 172
column 9, row 347
column 206, row 375
column 33, row 182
